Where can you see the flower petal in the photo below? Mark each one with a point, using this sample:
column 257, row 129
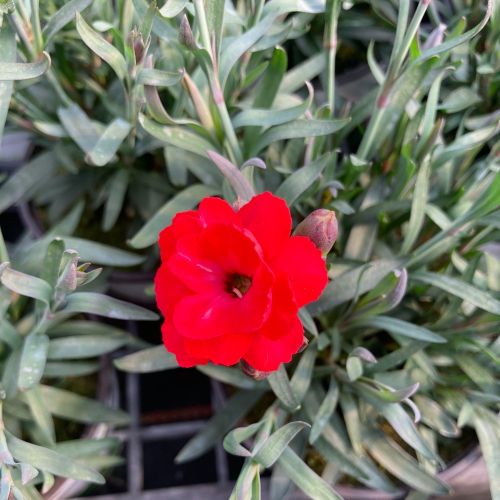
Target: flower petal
column 268, row 352
column 212, row 314
column 174, row 344
column 226, row 350
column 306, row 269
column 168, row 289
column 217, row 211
column 268, row 218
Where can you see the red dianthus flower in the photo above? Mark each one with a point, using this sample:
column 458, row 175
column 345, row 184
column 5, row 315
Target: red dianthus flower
column 231, row 283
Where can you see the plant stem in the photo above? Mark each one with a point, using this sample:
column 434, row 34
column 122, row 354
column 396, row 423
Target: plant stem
column 333, row 10
column 203, row 25
column 36, row 27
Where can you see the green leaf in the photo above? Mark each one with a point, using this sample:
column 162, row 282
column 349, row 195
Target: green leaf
column 325, row 411
column 274, row 446
column 84, row 346
column 240, row 44
column 460, row 99
column 24, row 284
column 270, row 117
column 70, row 368
column 393, row 458
column 26, row 178
column 297, row 183
column 488, row 433
column 185, row 200
column 435, row 417
column 63, row 16
column 297, row 129
column 24, row 71
column 232, row 376
column 52, row 261
column 7, row 55
column 108, row 143
column 33, row 359
column 102, row 305
column 218, row 425
column 354, row 368
column 104, row 255
column 301, row 379
column 70, row 406
column 280, row 384
column 419, row 203
column 399, row 327
column 158, row 78
column 215, row 20
column 307, row 480
column 461, row 289
column 232, row 442
column 40, row 413
column 118, row 186
column 305, row 71
column 240, row 184
column 152, row 359
column 79, row 126
column 351, row 283
column 51, row 461
column 102, row 48
column 180, row 137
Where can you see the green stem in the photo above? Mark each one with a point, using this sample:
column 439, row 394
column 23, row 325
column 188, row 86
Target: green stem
column 333, row 10
column 203, row 25
column 4, row 255
column 36, row 26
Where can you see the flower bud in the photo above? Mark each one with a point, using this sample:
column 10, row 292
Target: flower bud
column 252, row 372
column 136, row 42
column 186, row 36
column 321, row 228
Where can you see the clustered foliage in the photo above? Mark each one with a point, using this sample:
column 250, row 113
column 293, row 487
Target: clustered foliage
column 386, row 112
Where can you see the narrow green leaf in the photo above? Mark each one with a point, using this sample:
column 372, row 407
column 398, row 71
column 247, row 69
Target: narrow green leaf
column 215, row 20
column 71, row 368
column 355, row 281
column 40, row 413
column 304, row 477
column 297, row 183
column 436, row 417
column 325, row 411
column 393, row 458
column 118, row 186
column 50, row 461
column 32, row 362
column 79, row 126
column 24, row 284
column 488, row 432
column 217, row 426
column 461, row 289
column 63, row 16
column 102, row 48
column 108, row 143
column 185, row 200
column 232, row 442
column 280, row 384
column 27, row 177
column 148, row 360
column 7, row 56
column 240, row 44
column 158, row 78
column 273, row 447
column 24, row 71
column 400, row 327
column 297, row 129
column 102, row 305
column 419, row 202
column 180, row 137
column 84, row 346
column 301, row 379
column 71, row 406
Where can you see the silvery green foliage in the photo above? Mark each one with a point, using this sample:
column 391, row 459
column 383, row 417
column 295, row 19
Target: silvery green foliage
column 403, row 348
column 45, row 344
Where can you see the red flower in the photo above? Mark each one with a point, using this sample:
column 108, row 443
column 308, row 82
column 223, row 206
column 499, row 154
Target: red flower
column 231, row 283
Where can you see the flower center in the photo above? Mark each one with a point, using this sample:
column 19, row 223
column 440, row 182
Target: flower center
column 237, row 284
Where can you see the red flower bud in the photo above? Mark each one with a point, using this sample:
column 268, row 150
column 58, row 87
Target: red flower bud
column 321, row 228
